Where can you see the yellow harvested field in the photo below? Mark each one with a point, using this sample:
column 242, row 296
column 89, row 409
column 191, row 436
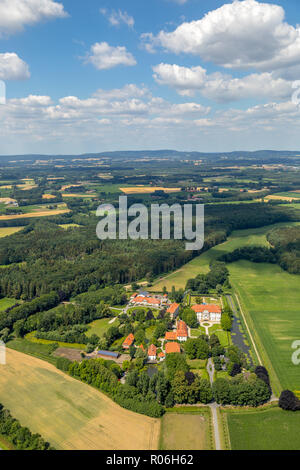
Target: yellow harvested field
column 8, row 186
column 48, row 196
column 148, row 190
column 34, row 214
column 7, row 199
column 70, row 414
column 67, row 186
column 6, row 231
column 78, row 195
column 26, row 187
column 281, row 198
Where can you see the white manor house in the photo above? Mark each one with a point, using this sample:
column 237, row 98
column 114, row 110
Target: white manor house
column 208, row 312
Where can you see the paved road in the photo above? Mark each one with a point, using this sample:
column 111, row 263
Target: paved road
column 214, row 406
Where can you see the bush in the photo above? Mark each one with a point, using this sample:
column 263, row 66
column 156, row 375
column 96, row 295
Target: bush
column 289, row 401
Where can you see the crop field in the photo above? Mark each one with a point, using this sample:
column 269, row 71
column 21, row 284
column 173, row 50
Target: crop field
column 270, row 429
column 69, row 414
column 6, row 303
column 186, row 431
column 6, row 231
column 148, row 190
column 270, row 299
column 44, row 213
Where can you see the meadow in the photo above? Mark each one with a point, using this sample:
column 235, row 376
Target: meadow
column 266, row 429
column 187, row 429
column 6, row 303
column 99, row 327
column 6, row 231
column 70, row 414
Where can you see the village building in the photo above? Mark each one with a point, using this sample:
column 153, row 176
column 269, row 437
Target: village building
column 152, row 353
column 208, row 312
column 161, row 356
column 173, row 311
column 172, row 348
column 171, row 336
column 128, row 341
column 182, row 331
column 108, row 355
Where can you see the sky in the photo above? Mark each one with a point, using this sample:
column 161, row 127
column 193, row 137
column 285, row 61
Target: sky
column 102, row 75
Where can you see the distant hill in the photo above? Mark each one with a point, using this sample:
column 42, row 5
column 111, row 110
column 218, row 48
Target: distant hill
column 273, row 156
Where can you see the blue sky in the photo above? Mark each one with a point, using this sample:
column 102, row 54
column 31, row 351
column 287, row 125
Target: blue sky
column 93, row 75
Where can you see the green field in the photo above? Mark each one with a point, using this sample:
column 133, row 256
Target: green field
column 6, row 231
column 6, row 303
column 31, row 337
column 99, row 327
column 270, row 429
column 187, row 429
column 270, row 298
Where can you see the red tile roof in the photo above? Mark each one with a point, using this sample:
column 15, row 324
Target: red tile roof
column 128, row 341
column 171, row 335
column 182, row 330
column 211, row 308
column 172, row 348
column 142, row 347
column 149, row 300
column 152, row 350
column 161, row 354
column 172, row 309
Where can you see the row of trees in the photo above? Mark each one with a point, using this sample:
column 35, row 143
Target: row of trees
column 18, row 435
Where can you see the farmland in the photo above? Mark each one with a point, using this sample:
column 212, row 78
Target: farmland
column 6, row 231
column 270, row 299
column 190, row 430
column 85, row 419
column 272, row 429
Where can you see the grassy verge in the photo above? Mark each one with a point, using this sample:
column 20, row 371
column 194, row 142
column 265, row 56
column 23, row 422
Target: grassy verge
column 41, row 351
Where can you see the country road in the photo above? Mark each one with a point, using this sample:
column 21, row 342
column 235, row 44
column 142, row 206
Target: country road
column 214, row 406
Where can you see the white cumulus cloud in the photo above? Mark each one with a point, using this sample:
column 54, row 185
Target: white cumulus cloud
column 16, row 14
column 12, row 67
column 221, row 87
column 241, row 34
column 103, row 56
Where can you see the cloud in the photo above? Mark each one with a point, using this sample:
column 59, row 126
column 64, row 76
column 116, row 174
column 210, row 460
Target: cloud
column 221, row 87
column 12, row 67
column 238, row 35
column 103, row 56
column 16, row 14
column 117, row 17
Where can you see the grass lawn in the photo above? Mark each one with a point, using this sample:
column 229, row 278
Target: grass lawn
column 186, row 431
column 6, row 231
column 99, row 327
column 197, row 363
column 270, row 429
column 6, row 303
column 198, row 332
column 68, row 413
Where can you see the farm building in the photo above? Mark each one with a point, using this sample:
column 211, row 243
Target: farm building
column 172, row 348
column 208, row 312
column 173, row 311
column 108, row 355
column 152, row 353
column 128, row 341
column 182, row 331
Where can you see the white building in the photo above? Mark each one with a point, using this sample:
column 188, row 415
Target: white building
column 208, row 312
